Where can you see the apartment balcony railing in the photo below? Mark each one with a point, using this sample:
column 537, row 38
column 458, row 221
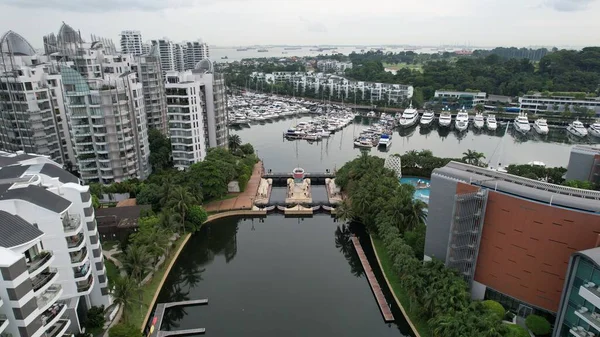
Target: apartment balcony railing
column 75, row 240
column 81, row 271
column 41, row 259
column 43, row 278
column 85, row 285
column 49, row 316
column 78, row 256
column 72, row 222
column 59, row 328
column 3, row 322
column 50, row 295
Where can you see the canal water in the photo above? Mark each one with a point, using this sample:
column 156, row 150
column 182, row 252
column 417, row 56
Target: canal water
column 276, row 277
column 281, row 155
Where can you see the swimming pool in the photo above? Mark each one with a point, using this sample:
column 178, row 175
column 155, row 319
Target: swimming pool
column 420, row 194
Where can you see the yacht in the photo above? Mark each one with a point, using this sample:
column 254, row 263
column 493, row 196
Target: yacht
column 541, row 126
column 427, row 118
column 385, row 140
column 522, row 123
column 491, row 123
column 478, row 121
column 363, row 142
column 594, row 129
column 409, row 117
column 445, row 119
column 576, row 128
column 462, row 120
column 371, row 114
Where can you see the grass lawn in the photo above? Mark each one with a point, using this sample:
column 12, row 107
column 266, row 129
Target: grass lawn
column 398, row 66
column 112, row 271
column 137, row 314
column 399, row 291
column 109, row 245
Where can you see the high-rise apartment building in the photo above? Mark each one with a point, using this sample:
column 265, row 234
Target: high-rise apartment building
column 155, row 102
column 51, row 265
column 196, row 109
column 195, row 52
column 517, row 241
column 131, row 42
column 33, row 117
column 180, row 56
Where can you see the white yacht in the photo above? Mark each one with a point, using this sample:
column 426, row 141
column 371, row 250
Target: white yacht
column 409, row 117
column 541, row 126
column 371, row 114
column 427, row 118
column 385, row 140
column 576, row 128
column 462, row 120
column 522, row 123
column 491, row 123
column 445, row 119
column 478, row 121
column 594, row 129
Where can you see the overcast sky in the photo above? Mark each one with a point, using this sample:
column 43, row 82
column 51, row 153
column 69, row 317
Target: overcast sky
column 310, row 22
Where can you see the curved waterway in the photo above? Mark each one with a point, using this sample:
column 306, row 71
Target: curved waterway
column 281, row 155
column 274, row 277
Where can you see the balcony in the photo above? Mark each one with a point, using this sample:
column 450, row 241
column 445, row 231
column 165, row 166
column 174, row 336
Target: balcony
column 53, row 314
column 579, row 331
column 85, row 286
column 49, row 297
column 44, row 278
column 590, row 292
column 79, row 256
column 82, row 272
column 71, row 224
column 42, row 260
column 75, row 241
column 59, row 328
column 3, row 323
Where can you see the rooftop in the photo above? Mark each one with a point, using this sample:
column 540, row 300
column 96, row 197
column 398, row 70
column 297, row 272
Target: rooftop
column 15, row 231
column 36, row 195
column 123, row 217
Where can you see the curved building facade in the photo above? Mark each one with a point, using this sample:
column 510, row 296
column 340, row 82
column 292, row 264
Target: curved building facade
column 510, row 237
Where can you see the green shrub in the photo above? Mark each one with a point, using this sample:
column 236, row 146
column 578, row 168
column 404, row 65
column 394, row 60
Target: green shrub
column 124, row 330
column 494, row 307
column 243, row 181
column 516, row 331
column 538, row 325
column 508, row 316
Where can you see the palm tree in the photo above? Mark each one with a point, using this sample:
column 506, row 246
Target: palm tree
column 137, row 262
column 234, row 142
column 344, row 211
column 166, row 187
column 415, row 214
column 168, row 220
column 473, row 157
column 126, row 293
column 181, row 200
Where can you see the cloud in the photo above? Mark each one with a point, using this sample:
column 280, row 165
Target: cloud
column 107, row 5
column 313, row 26
column 568, row 5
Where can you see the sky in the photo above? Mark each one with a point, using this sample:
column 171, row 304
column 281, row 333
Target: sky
column 484, row 23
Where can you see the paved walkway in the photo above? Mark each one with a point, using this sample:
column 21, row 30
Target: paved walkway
column 243, row 200
column 109, row 254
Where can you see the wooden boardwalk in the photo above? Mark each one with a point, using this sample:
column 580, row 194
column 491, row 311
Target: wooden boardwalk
column 198, row 331
column 381, row 301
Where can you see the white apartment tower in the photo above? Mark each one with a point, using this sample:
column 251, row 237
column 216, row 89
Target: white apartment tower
column 33, row 117
column 155, row 102
column 105, row 105
column 196, row 109
column 51, row 264
column 195, row 52
column 131, row 42
column 171, row 55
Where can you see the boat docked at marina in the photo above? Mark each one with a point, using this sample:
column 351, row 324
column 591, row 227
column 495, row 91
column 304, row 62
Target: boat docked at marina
column 385, row 141
column 522, row 123
column 594, row 129
column 427, row 118
column 363, row 142
column 462, row 120
column 445, row 119
column 490, row 123
column 577, row 129
column 409, row 117
column 478, row 121
column 541, row 126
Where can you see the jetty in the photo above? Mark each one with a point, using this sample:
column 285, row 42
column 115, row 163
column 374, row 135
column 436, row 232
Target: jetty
column 379, row 296
column 160, row 312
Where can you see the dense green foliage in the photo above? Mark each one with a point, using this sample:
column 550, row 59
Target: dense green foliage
column 422, row 163
column 124, row 330
column 538, row 325
column 387, row 209
column 95, row 319
column 160, row 150
column 494, row 307
column 515, row 330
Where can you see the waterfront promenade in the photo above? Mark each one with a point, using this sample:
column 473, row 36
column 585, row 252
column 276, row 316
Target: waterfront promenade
column 379, row 296
column 242, row 200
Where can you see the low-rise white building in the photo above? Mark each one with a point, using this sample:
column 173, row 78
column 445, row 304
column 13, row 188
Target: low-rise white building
column 468, row 99
column 51, row 264
column 333, row 66
column 196, row 109
column 557, row 102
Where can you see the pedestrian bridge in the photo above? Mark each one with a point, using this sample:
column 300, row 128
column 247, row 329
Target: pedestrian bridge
column 315, row 178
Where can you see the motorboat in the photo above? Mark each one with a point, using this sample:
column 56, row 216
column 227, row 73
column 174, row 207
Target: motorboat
column 385, row 141
column 522, row 123
column 294, row 133
column 363, row 142
column 462, row 120
column 577, row 129
column 594, row 129
column 478, row 121
column 491, row 123
column 541, row 126
column 427, row 118
column 445, row 119
column 409, row 117
column 537, row 163
column 371, row 114
column 312, row 136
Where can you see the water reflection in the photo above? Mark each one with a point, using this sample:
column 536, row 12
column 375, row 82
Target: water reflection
column 343, row 242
